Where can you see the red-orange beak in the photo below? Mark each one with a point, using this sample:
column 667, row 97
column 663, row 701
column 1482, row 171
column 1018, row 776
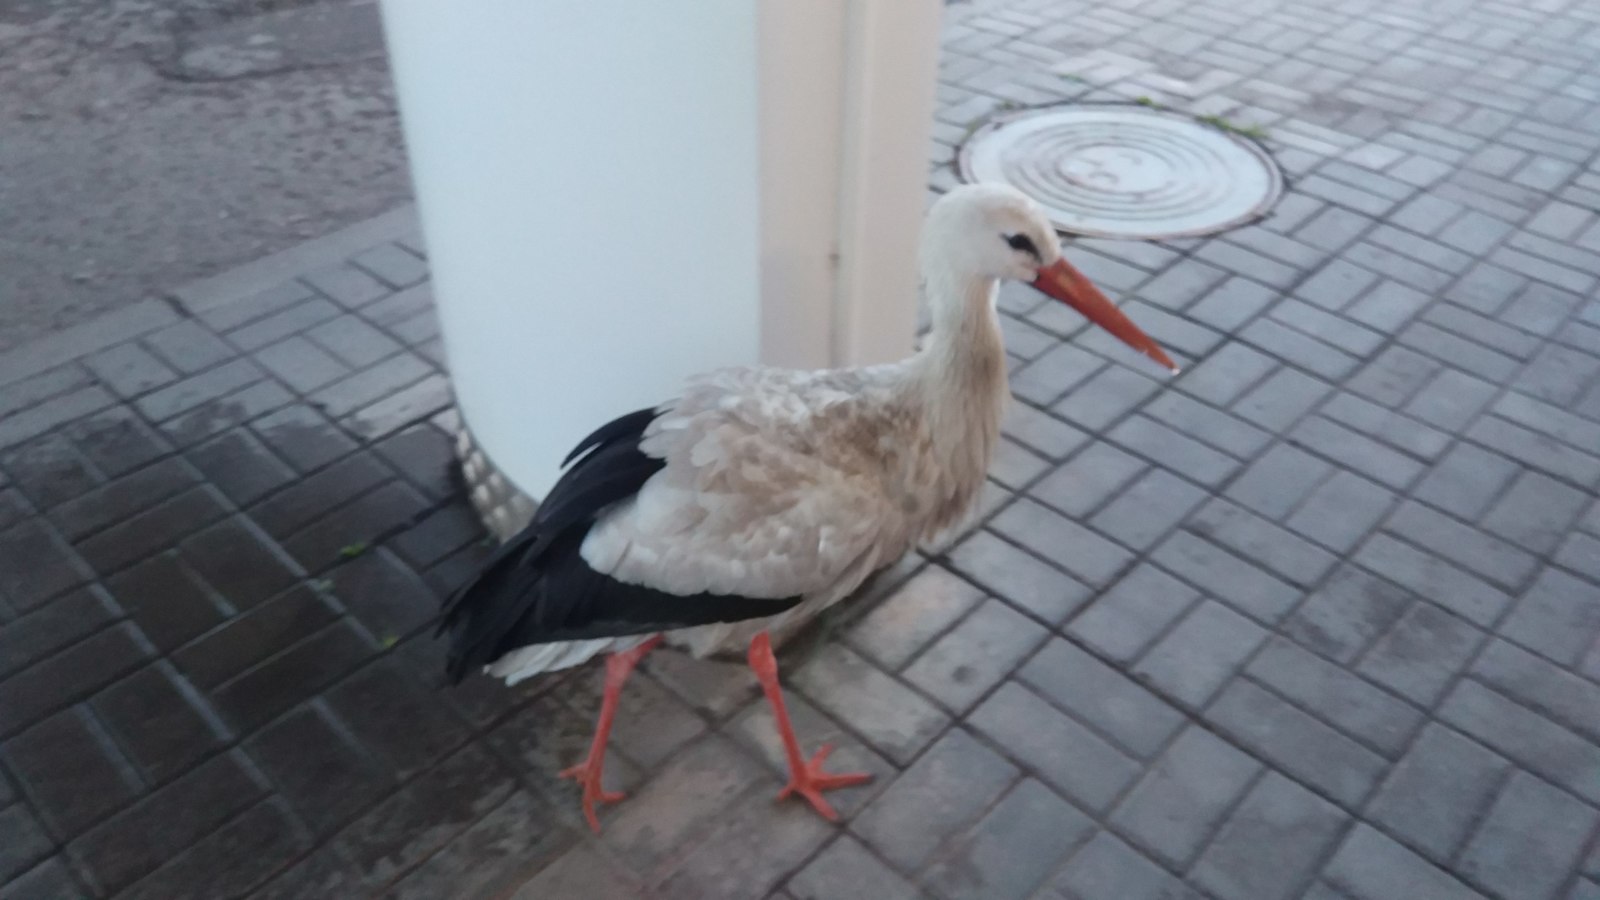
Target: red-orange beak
column 1068, row 285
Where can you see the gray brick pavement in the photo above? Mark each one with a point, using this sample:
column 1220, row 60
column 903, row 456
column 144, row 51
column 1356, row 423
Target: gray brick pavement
column 1319, row 618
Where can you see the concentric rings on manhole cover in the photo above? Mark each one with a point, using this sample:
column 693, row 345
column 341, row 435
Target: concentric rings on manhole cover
column 1116, row 171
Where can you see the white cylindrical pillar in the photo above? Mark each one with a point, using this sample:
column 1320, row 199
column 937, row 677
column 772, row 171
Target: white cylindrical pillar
column 617, row 194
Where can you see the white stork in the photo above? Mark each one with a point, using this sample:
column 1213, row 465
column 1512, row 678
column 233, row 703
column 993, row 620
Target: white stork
column 761, row 496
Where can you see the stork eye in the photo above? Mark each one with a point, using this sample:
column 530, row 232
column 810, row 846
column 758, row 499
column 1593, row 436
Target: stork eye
column 1024, row 243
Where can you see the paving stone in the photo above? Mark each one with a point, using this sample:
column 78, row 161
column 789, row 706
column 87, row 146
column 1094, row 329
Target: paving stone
column 1044, row 434
column 412, row 823
column 1299, row 348
column 1466, row 481
column 1014, row 848
column 1393, row 376
column 1374, row 421
column 300, row 364
column 1297, row 743
column 846, row 869
column 1451, row 400
column 1254, row 538
column 1180, row 801
column 167, row 601
column 142, row 837
column 60, row 623
column 303, row 437
column 69, row 676
column 239, row 561
column 1431, row 577
column 1281, row 399
column 1101, row 697
column 253, row 636
column 370, row 384
column 355, row 526
column 1053, row 373
column 1208, row 424
column 1108, row 869
column 318, row 769
column 1536, row 512
column 160, row 721
column 388, row 599
column 49, row 880
column 974, row 656
column 269, row 329
column 583, row 873
column 50, row 470
column 1277, row 481
column 1182, row 283
column 189, row 347
column 1014, row 465
column 239, row 855
column 917, row 612
column 1420, row 655
column 1173, row 450
column 897, row 721
column 158, row 528
column 1148, row 509
column 393, row 718
column 1200, row 653
column 1105, row 397
column 262, row 693
column 1126, row 619
column 1338, row 282
column 121, row 499
column 195, row 391
column 1535, row 449
column 26, row 843
column 18, row 427
column 1271, row 844
column 71, row 771
column 947, row 788
column 1225, row 374
column 240, row 466
column 404, row 407
column 1541, row 686
column 353, row 341
column 1082, row 553
column 1468, row 547
column 1435, row 795
column 1085, row 482
column 389, row 262
column 1222, row 574
column 129, row 370
column 1062, row 752
column 1524, row 736
column 1370, row 866
column 1530, row 840
column 748, row 854
column 214, row 416
column 1335, row 695
column 1558, row 617
column 1341, row 511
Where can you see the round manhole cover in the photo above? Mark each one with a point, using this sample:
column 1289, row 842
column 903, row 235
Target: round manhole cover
column 1125, row 171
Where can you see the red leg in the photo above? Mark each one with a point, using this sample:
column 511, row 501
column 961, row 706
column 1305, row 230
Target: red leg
column 806, row 778
column 587, row 773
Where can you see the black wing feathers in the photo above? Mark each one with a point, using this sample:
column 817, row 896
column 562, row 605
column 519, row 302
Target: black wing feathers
column 536, row 588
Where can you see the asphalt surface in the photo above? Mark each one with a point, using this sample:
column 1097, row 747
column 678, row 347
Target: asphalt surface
column 144, row 144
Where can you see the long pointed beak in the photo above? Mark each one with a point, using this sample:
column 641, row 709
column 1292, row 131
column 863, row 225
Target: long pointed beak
column 1071, row 287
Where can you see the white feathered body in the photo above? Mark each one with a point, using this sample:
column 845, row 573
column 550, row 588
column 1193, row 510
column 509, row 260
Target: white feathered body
column 781, row 483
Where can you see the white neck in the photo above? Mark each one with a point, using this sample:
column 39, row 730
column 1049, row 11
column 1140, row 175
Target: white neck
column 958, row 381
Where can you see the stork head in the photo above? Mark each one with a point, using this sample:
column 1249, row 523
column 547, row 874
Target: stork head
column 993, row 232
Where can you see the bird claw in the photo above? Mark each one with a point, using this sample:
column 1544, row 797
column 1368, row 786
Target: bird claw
column 810, row 781
column 587, row 774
